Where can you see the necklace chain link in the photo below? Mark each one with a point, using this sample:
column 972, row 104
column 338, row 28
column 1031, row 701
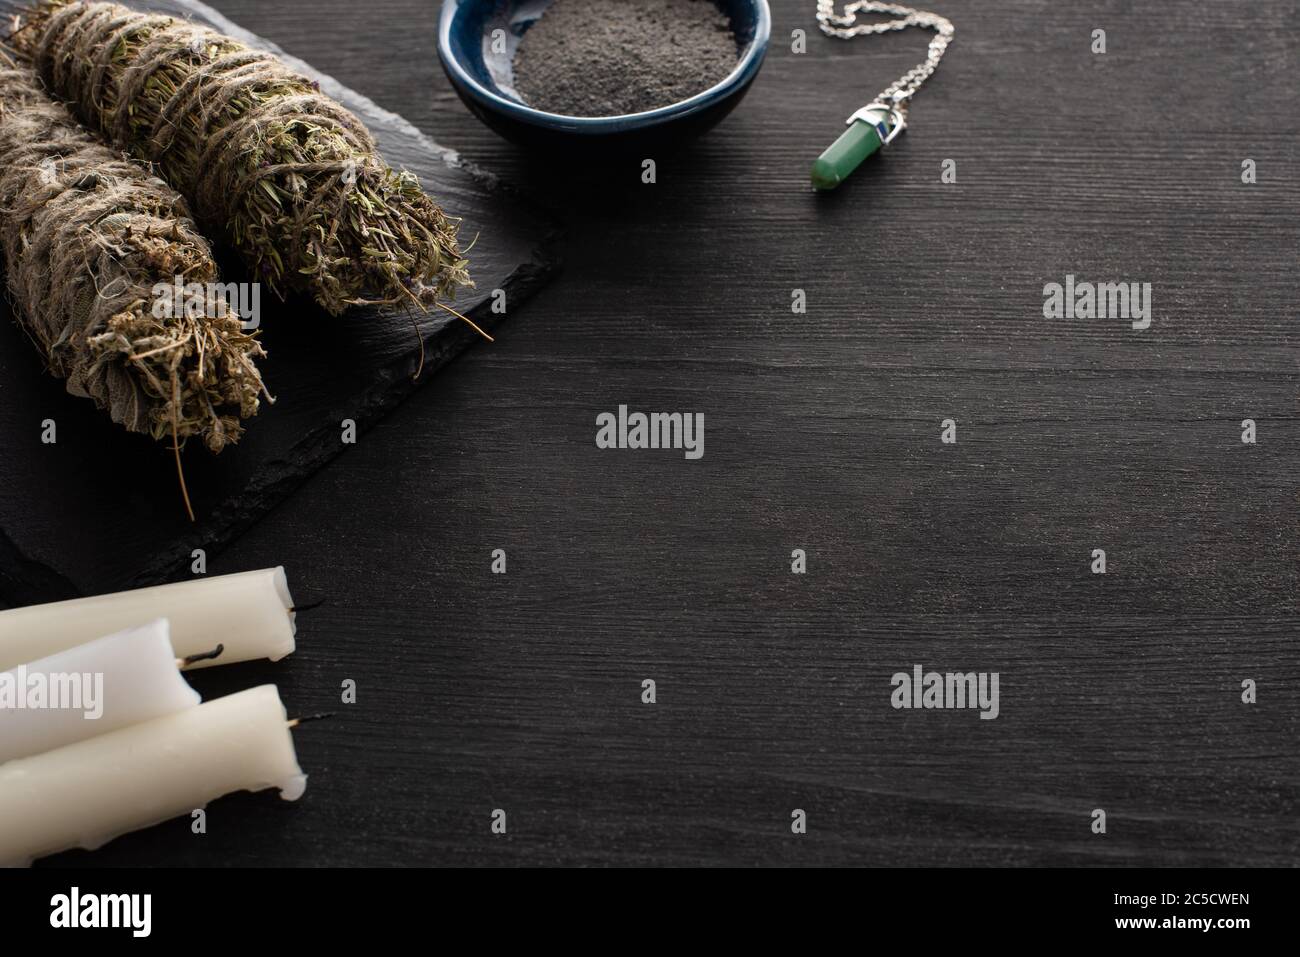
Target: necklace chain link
column 846, row 27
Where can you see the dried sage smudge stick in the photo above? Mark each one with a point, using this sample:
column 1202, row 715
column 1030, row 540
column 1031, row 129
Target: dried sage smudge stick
column 285, row 174
column 87, row 234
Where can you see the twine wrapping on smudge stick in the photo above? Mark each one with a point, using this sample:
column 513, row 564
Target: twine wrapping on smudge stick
column 286, row 175
column 86, row 234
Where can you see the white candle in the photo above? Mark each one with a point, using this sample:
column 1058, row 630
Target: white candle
column 251, row 613
column 103, row 685
column 86, row 794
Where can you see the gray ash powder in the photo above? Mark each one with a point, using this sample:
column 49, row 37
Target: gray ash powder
column 606, row 57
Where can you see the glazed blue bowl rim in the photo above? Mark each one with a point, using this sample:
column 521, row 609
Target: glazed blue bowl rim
column 746, row 69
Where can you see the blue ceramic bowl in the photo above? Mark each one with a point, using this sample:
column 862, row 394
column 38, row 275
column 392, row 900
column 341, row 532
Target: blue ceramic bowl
column 484, row 78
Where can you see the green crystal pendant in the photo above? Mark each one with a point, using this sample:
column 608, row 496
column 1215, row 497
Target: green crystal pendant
column 869, row 129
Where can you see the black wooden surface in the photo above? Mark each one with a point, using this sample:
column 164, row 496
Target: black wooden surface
column 1120, row 692
column 101, row 509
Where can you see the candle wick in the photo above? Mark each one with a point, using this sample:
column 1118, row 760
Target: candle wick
column 298, row 609
column 201, row 656
column 294, row 722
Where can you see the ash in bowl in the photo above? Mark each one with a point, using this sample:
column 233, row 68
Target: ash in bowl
column 613, row 57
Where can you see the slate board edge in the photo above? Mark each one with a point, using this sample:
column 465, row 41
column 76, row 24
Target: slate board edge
column 24, row 580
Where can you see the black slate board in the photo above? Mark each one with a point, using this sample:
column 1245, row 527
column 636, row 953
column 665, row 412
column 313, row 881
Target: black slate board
column 100, row 510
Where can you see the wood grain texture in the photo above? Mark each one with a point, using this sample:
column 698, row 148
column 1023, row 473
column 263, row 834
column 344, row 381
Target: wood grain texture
column 1120, row 691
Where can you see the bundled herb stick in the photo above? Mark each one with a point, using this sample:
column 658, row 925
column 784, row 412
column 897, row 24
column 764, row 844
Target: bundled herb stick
column 88, row 235
column 285, row 174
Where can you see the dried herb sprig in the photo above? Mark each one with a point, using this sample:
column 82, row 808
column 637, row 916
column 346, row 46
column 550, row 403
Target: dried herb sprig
column 87, row 235
column 282, row 172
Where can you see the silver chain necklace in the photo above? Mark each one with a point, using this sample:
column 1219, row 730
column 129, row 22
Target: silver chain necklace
column 881, row 120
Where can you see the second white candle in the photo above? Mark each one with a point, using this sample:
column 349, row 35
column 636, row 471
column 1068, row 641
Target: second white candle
column 103, row 685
